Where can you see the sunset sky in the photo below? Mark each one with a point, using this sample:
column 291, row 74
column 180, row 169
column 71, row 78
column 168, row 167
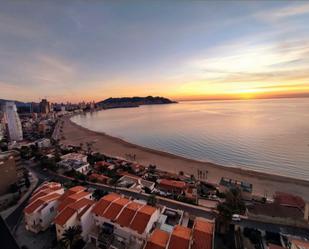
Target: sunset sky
column 91, row 50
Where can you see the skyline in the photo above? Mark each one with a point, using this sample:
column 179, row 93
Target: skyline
column 181, row 50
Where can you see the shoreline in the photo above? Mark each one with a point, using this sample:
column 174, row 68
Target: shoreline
column 263, row 183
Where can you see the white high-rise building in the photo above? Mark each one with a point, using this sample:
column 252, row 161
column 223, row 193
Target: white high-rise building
column 14, row 124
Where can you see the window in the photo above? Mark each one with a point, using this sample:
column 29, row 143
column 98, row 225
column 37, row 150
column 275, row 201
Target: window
column 52, row 209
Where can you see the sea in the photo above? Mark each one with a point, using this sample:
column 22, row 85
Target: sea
column 265, row 135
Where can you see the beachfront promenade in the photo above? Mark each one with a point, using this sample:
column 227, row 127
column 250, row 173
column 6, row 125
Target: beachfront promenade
column 263, row 184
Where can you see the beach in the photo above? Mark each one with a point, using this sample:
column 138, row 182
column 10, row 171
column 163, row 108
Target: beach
column 263, row 184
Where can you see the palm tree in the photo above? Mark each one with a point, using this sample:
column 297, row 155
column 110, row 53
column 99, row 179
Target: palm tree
column 71, row 235
column 233, row 205
column 152, row 200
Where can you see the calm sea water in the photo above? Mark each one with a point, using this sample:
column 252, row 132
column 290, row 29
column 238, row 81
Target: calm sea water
column 264, row 135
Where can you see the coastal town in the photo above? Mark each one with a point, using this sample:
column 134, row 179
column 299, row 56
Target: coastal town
column 58, row 190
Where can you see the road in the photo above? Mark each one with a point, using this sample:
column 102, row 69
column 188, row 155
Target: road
column 13, row 219
column 270, row 227
column 194, row 210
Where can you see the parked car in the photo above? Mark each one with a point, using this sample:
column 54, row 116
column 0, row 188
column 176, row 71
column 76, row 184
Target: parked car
column 236, row 217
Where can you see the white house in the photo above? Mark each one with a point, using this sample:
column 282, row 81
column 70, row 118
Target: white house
column 75, row 214
column 128, row 221
column 74, row 156
column 42, row 207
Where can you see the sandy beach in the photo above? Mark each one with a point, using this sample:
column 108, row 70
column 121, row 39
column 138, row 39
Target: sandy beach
column 262, row 183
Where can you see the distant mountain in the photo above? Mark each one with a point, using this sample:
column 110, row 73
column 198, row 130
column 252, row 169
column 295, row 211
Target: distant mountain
column 133, row 102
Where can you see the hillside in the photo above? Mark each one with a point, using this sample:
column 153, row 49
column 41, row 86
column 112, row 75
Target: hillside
column 133, row 102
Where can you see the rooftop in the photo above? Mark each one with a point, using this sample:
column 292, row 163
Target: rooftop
column 202, row 234
column 33, row 206
column 275, row 210
column 289, row 200
column 300, row 244
column 126, row 216
column 141, row 219
column 114, row 209
column 71, row 209
column 104, row 202
column 172, row 183
column 180, row 238
column 157, row 240
column 272, row 246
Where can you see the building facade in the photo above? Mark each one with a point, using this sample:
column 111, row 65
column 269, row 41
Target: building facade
column 13, row 121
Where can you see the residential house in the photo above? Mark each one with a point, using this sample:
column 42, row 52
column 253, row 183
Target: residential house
column 120, row 220
column 157, row 240
column 180, row 238
column 203, row 234
column 42, row 207
column 172, row 186
column 99, row 178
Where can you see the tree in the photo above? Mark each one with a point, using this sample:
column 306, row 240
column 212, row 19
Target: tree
column 233, row 205
column 71, row 235
column 98, row 194
column 27, row 182
column 152, row 200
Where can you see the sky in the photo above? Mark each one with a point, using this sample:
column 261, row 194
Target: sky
column 91, row 50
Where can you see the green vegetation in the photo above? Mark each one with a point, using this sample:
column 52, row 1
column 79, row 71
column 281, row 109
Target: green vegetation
column 233, row 204
column 152, row 200
column 93, row 158
column 71, row 236
column 99, row 193
column 49, row 163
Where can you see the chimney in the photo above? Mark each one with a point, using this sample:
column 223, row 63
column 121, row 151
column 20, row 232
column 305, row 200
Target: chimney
column 306, row 214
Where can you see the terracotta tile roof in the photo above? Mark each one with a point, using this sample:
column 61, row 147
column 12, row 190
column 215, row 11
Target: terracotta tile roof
column 46, row 185
column 98, row 177
column 77, row 189
column 114, row 209
column 126, row 216
column 172, row 183
column 84, row 210
column 33, row 206
column 81, row 203
column 141, row 219
column 158, row 240
column 104, row 202
column 275, row 210
column 79, row 195
column 272, row 246
column 64, row 216
column 72, row 191
column 289, row 200
column 202, row 234
column 301, row 244
column 50, row 197
column 69, row 210
column 180, row 238
column 71, row 199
